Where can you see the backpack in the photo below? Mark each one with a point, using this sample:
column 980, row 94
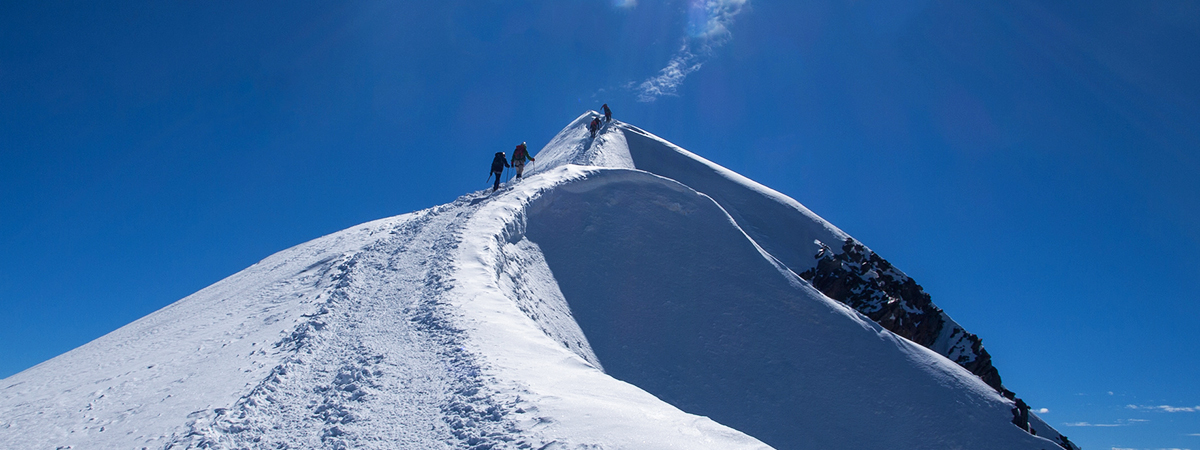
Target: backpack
column 498, row 163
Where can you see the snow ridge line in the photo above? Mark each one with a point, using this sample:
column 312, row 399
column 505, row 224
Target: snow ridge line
column 346, row 375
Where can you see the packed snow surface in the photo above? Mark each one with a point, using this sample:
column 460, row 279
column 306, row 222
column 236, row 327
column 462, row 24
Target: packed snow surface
column 626, row 294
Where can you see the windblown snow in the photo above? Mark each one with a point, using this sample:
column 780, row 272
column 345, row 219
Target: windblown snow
column 626, row 294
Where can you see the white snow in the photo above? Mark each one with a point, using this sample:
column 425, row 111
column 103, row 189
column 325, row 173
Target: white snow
column 626, row 294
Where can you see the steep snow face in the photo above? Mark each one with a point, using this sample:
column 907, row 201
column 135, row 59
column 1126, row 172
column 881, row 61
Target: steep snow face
column 785, row 228
column 735, row 337
column 790, row 233
column 798, row 239
column 842, row 268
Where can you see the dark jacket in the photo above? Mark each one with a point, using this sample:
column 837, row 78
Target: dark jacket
column 499, row 162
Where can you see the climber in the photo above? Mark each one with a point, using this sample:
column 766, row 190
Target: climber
column 595, row 125
column 498, row 165
column 607, row 113
column 519, row 157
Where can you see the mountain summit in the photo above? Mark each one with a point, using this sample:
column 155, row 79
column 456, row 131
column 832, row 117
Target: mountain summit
column 626, row 294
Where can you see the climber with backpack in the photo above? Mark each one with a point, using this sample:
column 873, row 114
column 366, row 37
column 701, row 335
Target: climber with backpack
column 519, row 157
column 607, row 113
column 498, row 165
column 595, row 125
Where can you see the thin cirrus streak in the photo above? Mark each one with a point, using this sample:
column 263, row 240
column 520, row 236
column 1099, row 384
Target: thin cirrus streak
column 707, row 28
column 1088, row 424
column 1165, row 408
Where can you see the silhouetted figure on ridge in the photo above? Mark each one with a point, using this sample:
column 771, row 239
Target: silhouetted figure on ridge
column 607, row 113
column 498, row 165
column 595, row 125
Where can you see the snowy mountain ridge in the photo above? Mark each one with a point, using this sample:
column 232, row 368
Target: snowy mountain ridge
column 625, row 294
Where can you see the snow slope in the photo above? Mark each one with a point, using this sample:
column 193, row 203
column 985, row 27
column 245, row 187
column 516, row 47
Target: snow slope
column 625, row 295
column 793, row 234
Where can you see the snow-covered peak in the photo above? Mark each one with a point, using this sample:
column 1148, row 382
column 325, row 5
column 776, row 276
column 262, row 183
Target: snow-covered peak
column 626, row 294
column 791, row 233
column 575, row 145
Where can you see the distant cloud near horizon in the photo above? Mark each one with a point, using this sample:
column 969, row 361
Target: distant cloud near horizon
column 1118, row 423
column 707, row 28
column 1165, row 408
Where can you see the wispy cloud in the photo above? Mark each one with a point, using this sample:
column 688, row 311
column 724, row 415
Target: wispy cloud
column 1164, row 408
column 1043, row 411
column 707, row 28
column 1119, row 423
column 669, row 78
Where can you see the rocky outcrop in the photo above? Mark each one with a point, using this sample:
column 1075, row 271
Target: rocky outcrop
column 868, row 283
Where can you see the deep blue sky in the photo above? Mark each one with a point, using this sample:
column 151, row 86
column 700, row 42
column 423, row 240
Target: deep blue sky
column 1034, row 165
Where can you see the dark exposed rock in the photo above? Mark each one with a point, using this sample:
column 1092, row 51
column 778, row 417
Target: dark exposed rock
column 868, row 283
column 1066, row 443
